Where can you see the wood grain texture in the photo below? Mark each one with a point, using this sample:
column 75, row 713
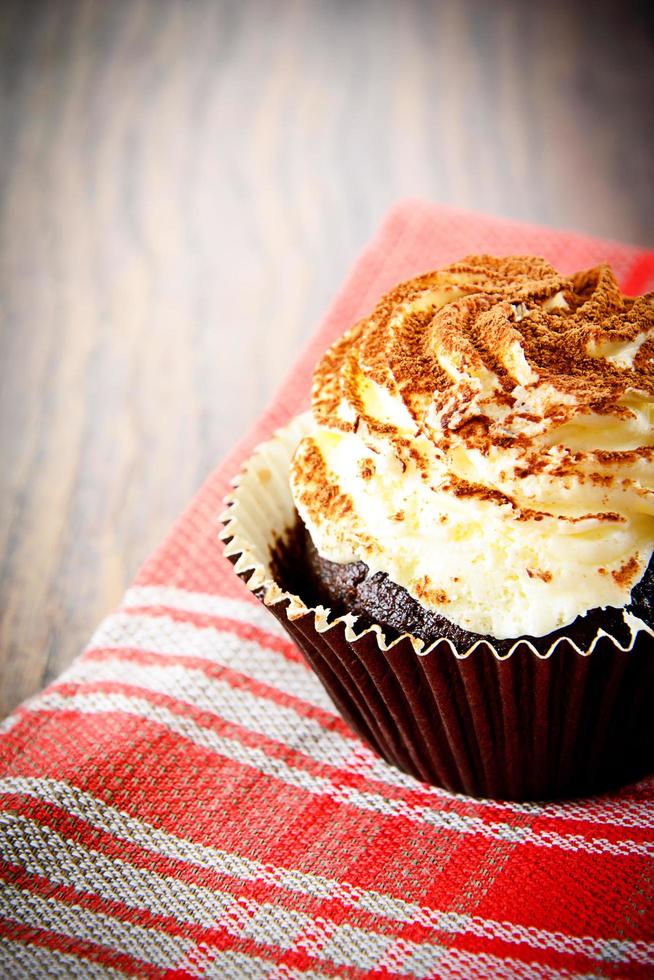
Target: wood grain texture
column 183, row 186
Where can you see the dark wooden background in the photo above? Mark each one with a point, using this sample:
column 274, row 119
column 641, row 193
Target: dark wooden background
column 183, row 185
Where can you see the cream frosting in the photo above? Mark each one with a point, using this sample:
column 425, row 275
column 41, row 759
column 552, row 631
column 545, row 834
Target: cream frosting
column 486, row 438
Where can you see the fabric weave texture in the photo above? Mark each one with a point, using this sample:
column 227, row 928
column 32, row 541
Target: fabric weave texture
column 185, row 801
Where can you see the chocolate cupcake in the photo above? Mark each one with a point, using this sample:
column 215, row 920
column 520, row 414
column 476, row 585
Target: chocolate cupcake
column 465, row 552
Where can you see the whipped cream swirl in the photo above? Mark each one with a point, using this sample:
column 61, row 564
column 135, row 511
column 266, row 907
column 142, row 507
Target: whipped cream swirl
column 486, row 438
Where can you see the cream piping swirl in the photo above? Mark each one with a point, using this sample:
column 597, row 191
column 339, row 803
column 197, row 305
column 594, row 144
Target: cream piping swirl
column 486, row 438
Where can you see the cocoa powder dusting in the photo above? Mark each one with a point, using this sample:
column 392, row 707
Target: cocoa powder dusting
column 402, row 344
column 320, row 493
column 423, row 589
column 626, row 574
column 457, row 349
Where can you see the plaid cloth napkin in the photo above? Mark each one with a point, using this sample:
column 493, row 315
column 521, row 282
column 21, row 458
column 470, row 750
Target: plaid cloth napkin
column 184, row 801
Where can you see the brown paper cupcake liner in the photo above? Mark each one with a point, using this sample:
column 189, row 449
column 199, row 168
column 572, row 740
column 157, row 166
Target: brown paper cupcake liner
column 520, row 725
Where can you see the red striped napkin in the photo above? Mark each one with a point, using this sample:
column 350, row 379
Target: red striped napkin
column 184, row 801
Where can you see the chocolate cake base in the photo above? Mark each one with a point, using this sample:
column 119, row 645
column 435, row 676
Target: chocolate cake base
column 522, row 728
column 377, row 599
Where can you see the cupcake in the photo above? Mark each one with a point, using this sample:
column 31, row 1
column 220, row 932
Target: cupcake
column 460, row 535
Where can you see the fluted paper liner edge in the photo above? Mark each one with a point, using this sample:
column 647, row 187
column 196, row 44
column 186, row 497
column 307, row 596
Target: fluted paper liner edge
column 260, row 510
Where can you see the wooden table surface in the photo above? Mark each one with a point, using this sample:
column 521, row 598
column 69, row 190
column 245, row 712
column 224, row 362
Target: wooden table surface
column 183, row 186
